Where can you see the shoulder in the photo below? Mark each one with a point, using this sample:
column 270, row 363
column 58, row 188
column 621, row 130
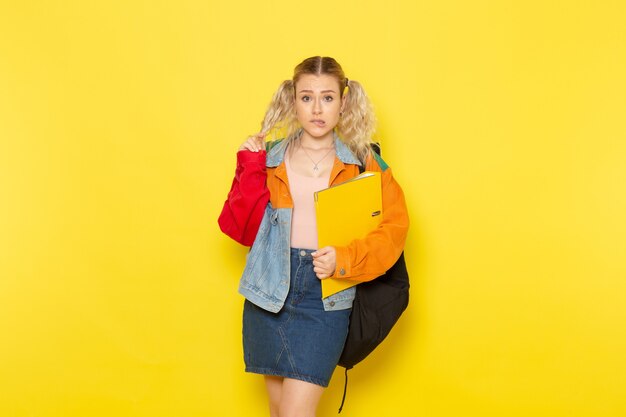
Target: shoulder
column 275, row 151
column 271, row 144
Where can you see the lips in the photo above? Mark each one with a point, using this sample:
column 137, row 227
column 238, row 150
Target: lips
column 318, row 122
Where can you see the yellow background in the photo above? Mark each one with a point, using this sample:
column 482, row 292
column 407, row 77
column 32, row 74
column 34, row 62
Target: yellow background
column 503, row 120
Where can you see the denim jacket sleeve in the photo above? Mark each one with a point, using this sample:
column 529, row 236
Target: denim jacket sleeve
column 243, row 209
column 367, row 258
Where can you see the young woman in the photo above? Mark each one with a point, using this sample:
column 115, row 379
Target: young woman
column 290, row 334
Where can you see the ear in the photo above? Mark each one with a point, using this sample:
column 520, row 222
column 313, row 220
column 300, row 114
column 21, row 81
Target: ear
column 343, row 102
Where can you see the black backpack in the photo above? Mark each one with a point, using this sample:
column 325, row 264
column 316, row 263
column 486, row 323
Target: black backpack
column 377, row 307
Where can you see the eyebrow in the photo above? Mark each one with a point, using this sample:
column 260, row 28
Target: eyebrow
column 323, row 91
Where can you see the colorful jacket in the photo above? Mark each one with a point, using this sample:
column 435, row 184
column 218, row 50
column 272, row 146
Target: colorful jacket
column 258, row 212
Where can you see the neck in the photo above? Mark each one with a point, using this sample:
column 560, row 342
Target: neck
column 326, row 141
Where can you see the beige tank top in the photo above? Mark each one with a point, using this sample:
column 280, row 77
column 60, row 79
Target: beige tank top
column 303, row 224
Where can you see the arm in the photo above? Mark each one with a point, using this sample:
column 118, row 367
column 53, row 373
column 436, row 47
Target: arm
column 367, row 258
column 243, row 210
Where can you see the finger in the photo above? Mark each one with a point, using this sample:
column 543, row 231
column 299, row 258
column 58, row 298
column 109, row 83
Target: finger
column 244, row 146
column 320, row 263
column 247, row 145
column 325, row 258
column 322, row 276
column 322, row 272
column 251, row 146
column 252, row 143
column 260, row 141
column 322, row 251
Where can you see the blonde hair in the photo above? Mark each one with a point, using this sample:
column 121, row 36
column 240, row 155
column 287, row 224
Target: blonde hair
column 357, row 123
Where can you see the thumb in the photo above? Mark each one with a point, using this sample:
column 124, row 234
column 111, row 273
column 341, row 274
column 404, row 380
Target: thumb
column 321, row 251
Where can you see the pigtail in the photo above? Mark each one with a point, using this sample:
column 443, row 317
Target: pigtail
column 280, row 113
column 358, row 122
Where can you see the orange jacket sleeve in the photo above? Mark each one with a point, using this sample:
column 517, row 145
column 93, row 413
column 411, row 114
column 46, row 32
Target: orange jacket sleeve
column 367, row 258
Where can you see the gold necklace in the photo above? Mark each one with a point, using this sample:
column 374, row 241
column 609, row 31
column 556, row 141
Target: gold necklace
column 315, row 164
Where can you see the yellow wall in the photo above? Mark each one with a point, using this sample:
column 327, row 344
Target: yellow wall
column 504, row 122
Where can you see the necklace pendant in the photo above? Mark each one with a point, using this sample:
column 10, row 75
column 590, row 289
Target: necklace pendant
column 315, row 168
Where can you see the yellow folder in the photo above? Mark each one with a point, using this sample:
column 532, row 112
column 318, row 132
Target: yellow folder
column 345, row 212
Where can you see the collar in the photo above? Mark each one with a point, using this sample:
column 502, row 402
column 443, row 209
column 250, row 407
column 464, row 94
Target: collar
column 276, row 154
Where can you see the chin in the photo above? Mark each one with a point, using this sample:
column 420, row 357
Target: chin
column 317, row 134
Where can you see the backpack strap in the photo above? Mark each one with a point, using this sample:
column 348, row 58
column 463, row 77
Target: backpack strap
column 374, row 146
column 345, row 389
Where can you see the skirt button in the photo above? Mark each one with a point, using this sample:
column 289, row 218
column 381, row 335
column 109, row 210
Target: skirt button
column 302, row 253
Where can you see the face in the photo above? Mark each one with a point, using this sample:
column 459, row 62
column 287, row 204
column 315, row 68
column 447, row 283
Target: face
column 318, row 104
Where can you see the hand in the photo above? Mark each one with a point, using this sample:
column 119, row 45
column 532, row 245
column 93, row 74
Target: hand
column 254, row 143
column 324, row 262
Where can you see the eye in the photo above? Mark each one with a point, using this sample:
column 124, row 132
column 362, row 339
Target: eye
column 328, row 98
column 305, row 98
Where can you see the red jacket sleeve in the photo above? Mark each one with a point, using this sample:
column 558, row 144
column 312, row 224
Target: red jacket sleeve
column 244, row 208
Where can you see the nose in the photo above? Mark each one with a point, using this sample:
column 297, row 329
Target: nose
column 317, row 107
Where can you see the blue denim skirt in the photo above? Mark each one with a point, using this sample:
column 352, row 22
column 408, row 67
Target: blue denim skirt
column 301, row 341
